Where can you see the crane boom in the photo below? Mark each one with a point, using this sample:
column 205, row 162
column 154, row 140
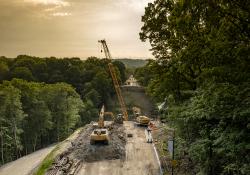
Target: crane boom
column 114, row 78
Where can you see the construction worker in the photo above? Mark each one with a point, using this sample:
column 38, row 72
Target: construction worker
column 149, row 132
column 150, row 125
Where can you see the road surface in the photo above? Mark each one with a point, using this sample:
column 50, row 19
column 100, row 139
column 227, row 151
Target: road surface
column 140, row 157
column 26, row 164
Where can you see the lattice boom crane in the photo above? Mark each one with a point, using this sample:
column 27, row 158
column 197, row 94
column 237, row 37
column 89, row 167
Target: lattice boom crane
column 114, row 78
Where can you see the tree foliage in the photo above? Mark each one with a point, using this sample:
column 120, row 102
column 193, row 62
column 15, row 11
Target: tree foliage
column 11, row 116
column 202, row 67
column 50, row 98
column 34, row 115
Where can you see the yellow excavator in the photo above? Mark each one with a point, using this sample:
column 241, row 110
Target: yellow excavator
column 100, row 134
column 141, row 120
column 115, row 81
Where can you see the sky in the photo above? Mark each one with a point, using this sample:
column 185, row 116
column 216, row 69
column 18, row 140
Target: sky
column 71, row 28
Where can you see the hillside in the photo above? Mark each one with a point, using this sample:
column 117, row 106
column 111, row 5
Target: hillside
column 133, row 63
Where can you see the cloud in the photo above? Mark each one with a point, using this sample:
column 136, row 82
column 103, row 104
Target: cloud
column 61, row 14
column 48, row 8
column 61, row 3
column 136, row 5
column 71, row 27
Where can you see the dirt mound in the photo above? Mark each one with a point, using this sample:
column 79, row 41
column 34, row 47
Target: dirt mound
column 114, row 150
column 82, row 151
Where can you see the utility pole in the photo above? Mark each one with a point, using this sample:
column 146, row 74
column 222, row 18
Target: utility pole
column 173, row 156
column 171, row 150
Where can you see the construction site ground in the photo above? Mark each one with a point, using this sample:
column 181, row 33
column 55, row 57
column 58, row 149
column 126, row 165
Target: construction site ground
column 141, row 159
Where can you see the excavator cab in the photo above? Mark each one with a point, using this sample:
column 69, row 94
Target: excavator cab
column 100, row 134
column 101, row 129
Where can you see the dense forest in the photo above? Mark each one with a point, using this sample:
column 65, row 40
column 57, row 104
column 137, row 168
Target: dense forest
column 42, row 100
column 202, row 72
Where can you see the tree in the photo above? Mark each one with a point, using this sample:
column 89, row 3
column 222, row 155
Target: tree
column 10, row 122
column 52, row 111
column 64, row 104
column 22, row 72
column 40, row 71
column 4, row 71
column 121, row 67
column 88, row 113
column 202, row 50
column 103, row 85
column 38, row 121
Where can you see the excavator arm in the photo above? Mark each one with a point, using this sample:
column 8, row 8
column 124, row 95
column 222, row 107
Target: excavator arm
column 102, row 115
column 101, row 118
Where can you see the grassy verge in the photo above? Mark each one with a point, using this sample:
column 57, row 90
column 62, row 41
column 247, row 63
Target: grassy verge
column 47, row 162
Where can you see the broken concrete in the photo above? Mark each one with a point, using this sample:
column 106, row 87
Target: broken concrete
column 114, row 150
column 81, row 150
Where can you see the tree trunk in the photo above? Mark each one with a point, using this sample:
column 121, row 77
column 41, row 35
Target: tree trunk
column 210, row 159
column 178, row 91
column 188, row 133
column 15, row 138
column 57, row 132
column 34, row 144
column 2, row 152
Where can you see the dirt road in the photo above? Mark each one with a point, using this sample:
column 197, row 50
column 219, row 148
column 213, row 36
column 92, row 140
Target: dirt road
column 140, row 157
column 25, row 164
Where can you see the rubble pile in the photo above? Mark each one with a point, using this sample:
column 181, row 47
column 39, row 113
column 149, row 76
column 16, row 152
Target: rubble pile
column 114, row 150
column 68, row 162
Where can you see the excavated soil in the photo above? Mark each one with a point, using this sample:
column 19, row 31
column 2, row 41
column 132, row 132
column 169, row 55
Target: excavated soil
column 82, row 151
column 114, row 150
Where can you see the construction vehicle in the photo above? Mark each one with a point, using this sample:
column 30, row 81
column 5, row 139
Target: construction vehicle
column 136, row 111
column 141, row 120
column 100, row 134
column 117, row 119
column 114, row 78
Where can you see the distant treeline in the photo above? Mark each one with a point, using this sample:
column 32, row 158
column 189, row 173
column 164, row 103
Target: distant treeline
column 42, row 100
column 133, row 63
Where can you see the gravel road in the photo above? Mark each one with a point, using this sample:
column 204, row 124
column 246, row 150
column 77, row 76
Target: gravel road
column 140, row 157
column 26, row 164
